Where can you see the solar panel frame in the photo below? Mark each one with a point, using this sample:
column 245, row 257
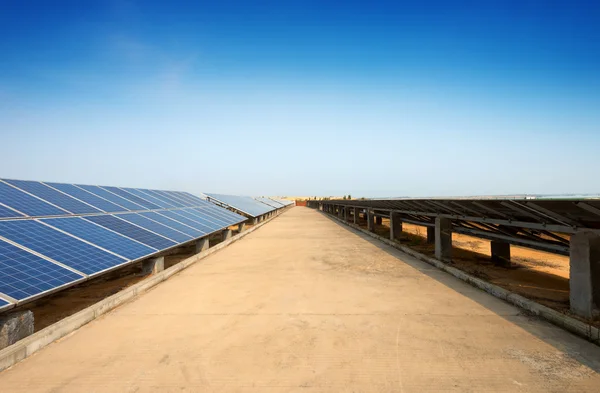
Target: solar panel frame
column 53, row 196
column 101, row 192
column 58, row 246
column 26, row 275
column 109, row 240
column 88, row 197
column 156, row 227
column 7, row 212
column 26, row 203
column 133, row 231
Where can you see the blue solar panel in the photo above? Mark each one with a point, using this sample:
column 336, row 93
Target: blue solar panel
column 201, row 220
column 149, row 198
column 227, row 213
column 88, row 197
column 244, row 204
column 155, row 227
column 23, row 274
column 148, row 205
column 5, row 212
column 269, row 202
column 58, row 246
column 55, row 197
column 26, row 203
column 194, row 199
column 171, row 214
column 159, row 195
column 3, row 302
column 132, row 231
column 101, row 192
column 218, row 216
column 208, row 217
column 101, row 236
column 175, row 195
column 174, row 224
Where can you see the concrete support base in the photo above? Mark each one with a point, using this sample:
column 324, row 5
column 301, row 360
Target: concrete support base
column 431, row 235
column 346, row 213
column 378, row 220
column 153, row 265
column 241, row 226
column 584, row 278
column 14, row 327
column 202, row 244
column 500, row 253
column 355, row 215
column 395, row 226
column 255, row 221
column 443, row 239
column 370, row 221
column 226, row 234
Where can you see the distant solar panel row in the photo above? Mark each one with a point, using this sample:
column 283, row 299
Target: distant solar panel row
column 53, row 235
column 244, row 204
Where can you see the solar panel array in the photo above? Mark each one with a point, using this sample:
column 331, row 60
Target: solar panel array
column 244, row 204
column 54, row 235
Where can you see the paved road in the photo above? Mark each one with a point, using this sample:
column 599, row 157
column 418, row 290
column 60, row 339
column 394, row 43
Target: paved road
column 304, row 304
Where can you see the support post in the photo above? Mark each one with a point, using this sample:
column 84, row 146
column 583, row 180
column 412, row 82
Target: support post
column 395, row 226
column 370, row 220
column 584, row 277
column 241, row 226
column 15, row 326
column 500, row 253
column 355, row 214
column 378, row 220
column 431, row 235
column 153, row 265
column 202, row 244
column 226, row 234
column 255, row 221
column 346, row 208
column 443, row 239
column 340, row 212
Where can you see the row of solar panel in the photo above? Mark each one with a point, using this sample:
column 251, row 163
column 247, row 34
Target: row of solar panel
column 21, row 198
column 44, row 254
column 245, row 204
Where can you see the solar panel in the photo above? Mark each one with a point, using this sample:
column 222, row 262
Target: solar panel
column 26, row 203
column 186, row 198
column 163, row 197
column 195, row 200
column 223, row 214
column 58, row 246
column 149, row 198
column 243, row 204
column 269, row 202
column 173, row 224
column 155, row 227
column 101, row 236
column 175, row 196
column 24, row 274
column 3, row 303
column 202, row 221
column 219, row 222
column 5, row 212
column 101, row 192
column 172, row 215
column 87, row 197
column 140, row 201
column 132, row 231
column 57, row 198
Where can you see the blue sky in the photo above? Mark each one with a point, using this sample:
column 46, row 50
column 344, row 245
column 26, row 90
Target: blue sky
column 303, row 97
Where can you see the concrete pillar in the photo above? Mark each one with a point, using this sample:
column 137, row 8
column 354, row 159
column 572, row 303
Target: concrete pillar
column 500, row 253
column 255, row 221
column 370, row 220
column 431, row 235
column 202, row 244
column 584, row 278
column 340, row 212
column 443, row 239
column 241, row 226
column 378, row 220
column 14, row 327
column 395, row 226
column 226, row 234
column 355, row 214
column 153, row 265
column 346, row 213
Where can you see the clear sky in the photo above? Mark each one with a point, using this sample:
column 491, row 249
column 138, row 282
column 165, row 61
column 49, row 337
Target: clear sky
column 423, row 98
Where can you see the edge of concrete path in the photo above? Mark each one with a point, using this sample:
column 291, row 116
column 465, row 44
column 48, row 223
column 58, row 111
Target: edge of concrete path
column 24, row 348
column 582, row 329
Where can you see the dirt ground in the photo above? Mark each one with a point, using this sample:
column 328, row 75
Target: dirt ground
column 306, row 304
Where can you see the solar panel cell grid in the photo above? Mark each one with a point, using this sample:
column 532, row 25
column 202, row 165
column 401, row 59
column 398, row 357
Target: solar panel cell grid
column 219, row 222
column 155, row 227
column 59, row 246
column 88, row 197
column 165, row 198
column 184, row 220
column 201, row 220
column 101, row 192
column 149, row 198
column 134, row 198
column 26, row 203
column 193, row 232
column 101, row 236
column 5, row 212
column 55, row 197
column 132, row 231
column 23, row 274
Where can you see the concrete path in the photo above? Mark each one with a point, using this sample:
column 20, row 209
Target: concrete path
column 305, row 304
